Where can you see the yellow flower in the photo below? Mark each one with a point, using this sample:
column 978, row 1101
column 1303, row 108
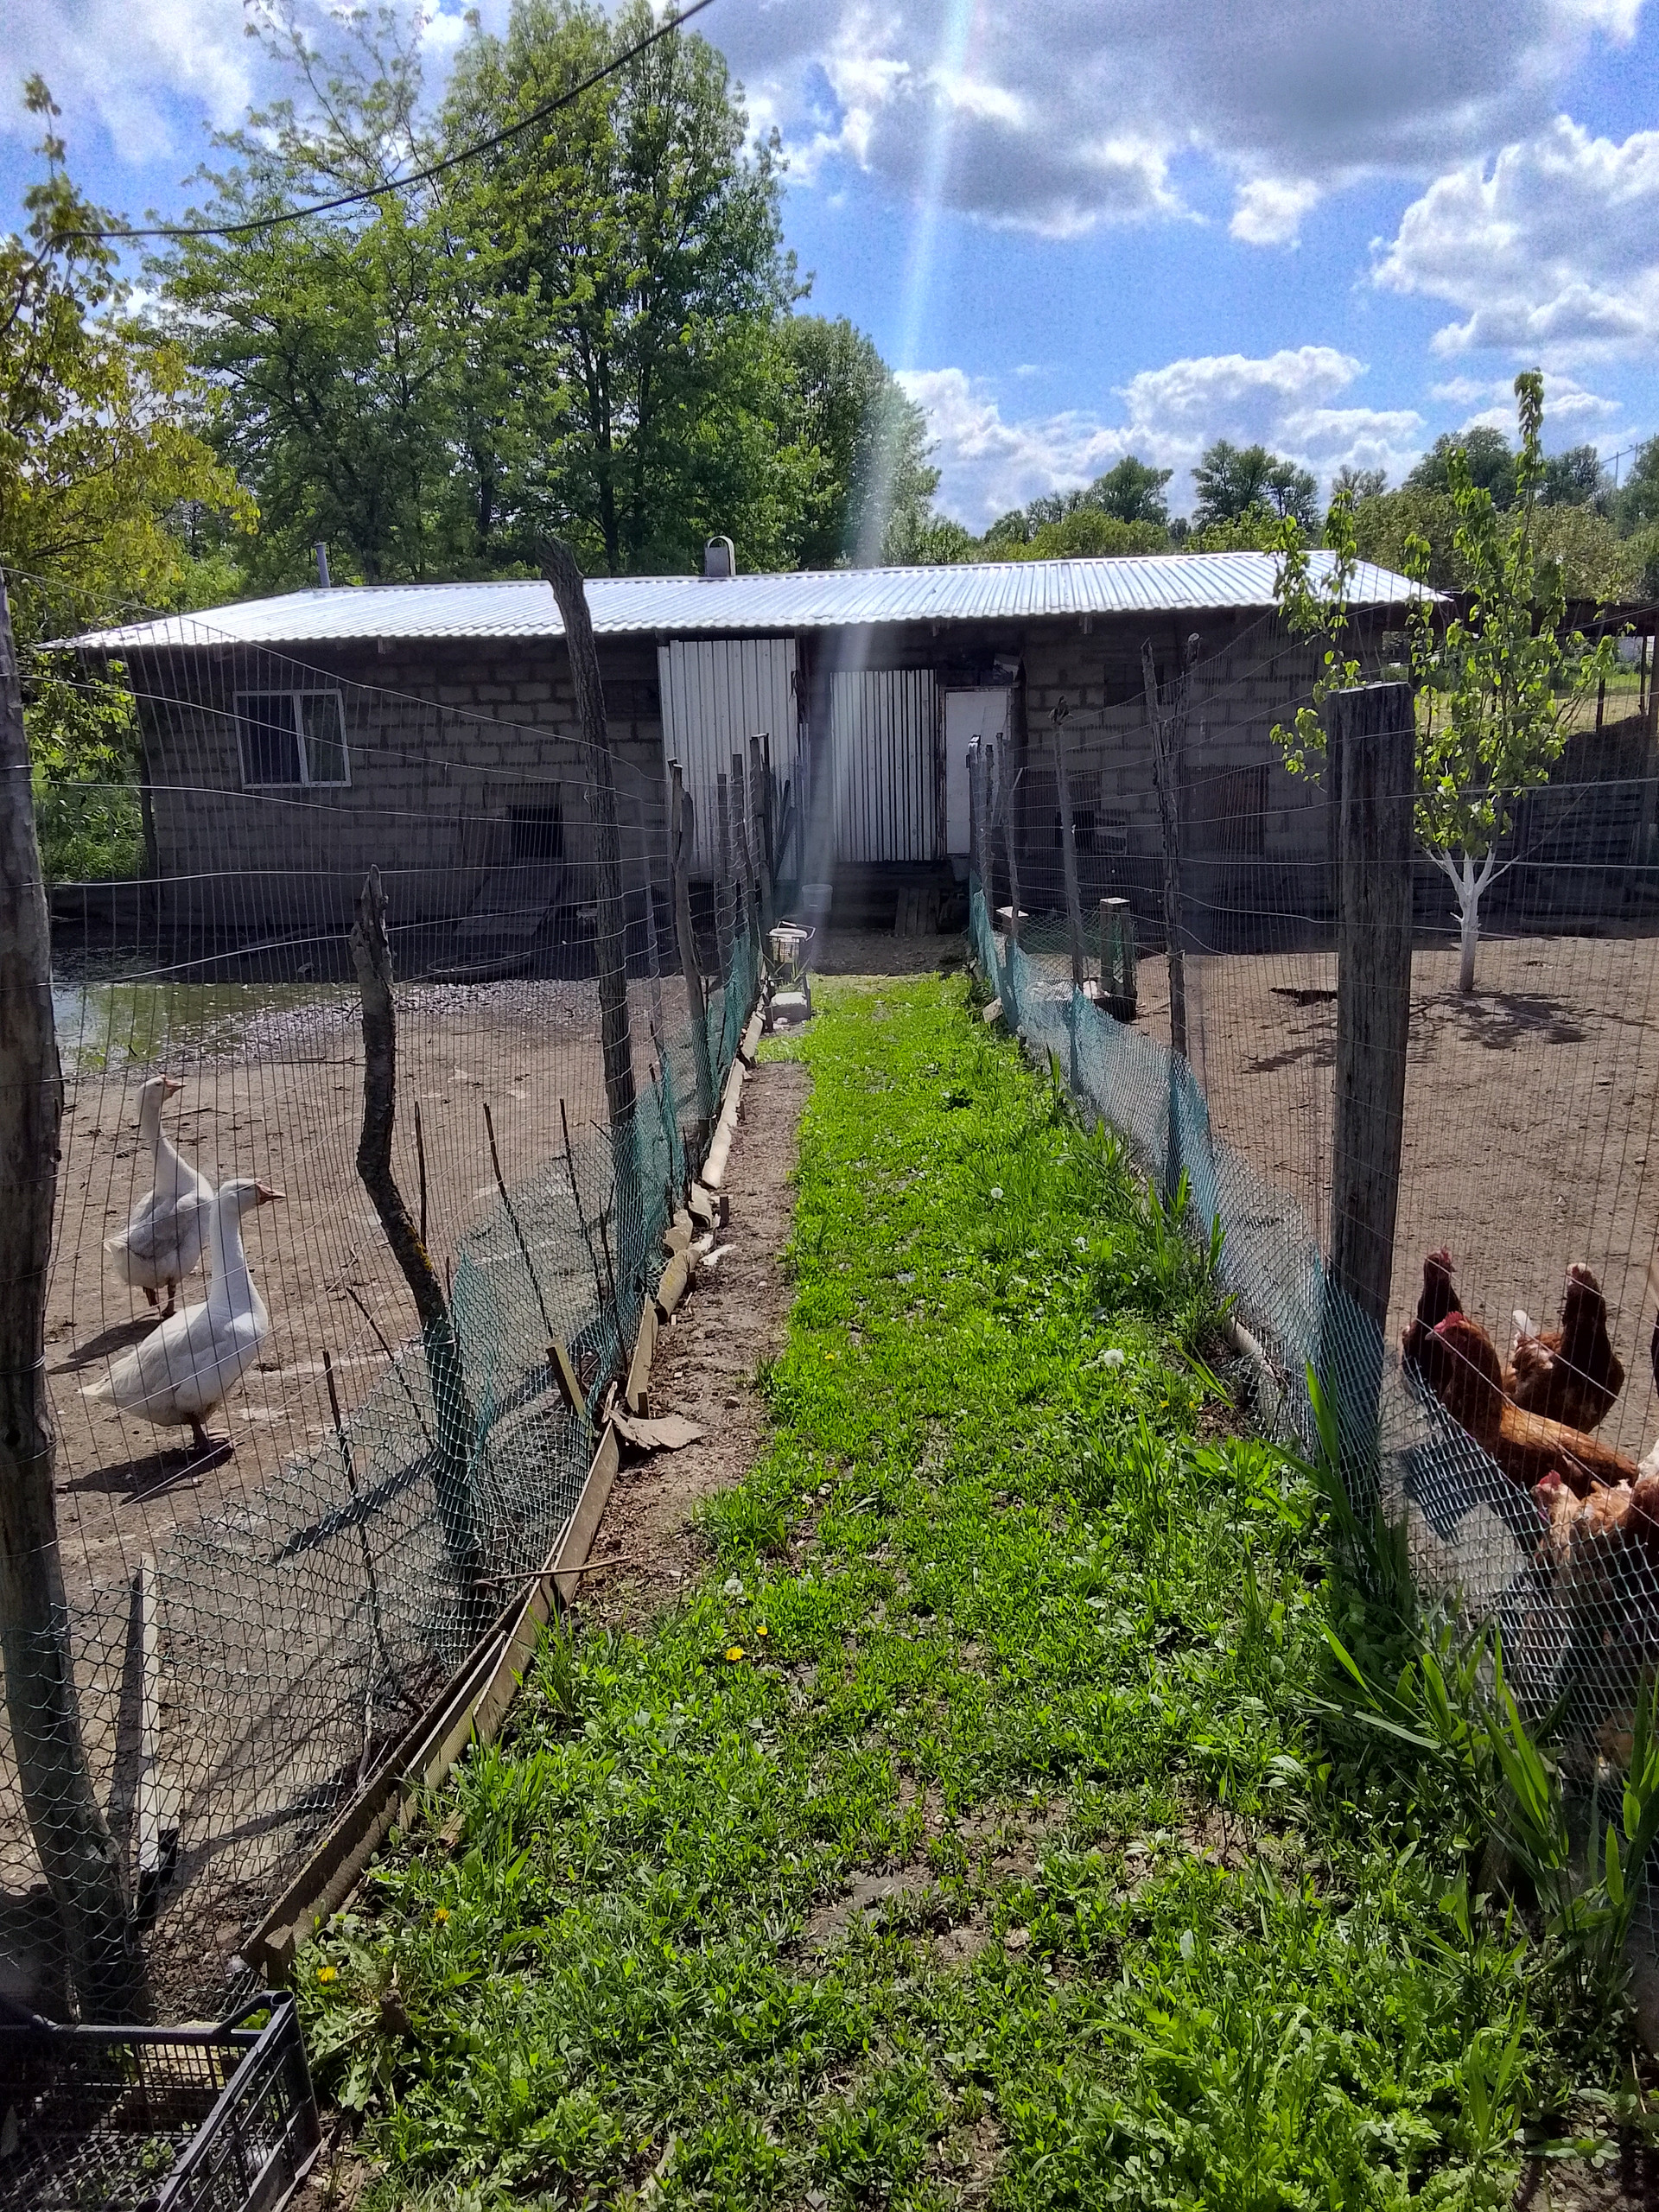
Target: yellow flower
column 760, row 1628
column 327, row 1973
column 440, row 1915
column 735, row 1652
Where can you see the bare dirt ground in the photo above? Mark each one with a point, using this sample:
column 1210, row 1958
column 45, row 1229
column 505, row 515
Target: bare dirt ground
column 708, row 1364
column 1530, row 1136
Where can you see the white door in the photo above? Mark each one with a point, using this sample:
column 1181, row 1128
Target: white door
column 883, row 743
column 968, row 716
column 717, row 693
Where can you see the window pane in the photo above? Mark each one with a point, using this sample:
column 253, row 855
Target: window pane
column 325, row 736
column 270, row 752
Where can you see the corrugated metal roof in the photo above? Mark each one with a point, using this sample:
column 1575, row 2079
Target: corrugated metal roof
column 830, row 598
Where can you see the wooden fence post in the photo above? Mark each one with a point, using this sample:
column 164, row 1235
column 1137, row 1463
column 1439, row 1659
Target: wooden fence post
column 1117, row 984
column 1166, row 732
column 745, row 858
column 451, row 1407
column 559, row 567
column 78, row 1854
column 761, row 801
column 1010, row 839
column 1374, row 729
column 681, row 820
column 1373, row 986
column 1069, row 849
column 722, row 879
column 986, row 791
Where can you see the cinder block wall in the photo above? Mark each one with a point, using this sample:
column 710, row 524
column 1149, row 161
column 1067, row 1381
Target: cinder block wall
column 446, row 740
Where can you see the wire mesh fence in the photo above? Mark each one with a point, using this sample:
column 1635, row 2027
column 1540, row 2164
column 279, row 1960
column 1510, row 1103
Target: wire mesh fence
column 1511, row 1444
column 275, row 1536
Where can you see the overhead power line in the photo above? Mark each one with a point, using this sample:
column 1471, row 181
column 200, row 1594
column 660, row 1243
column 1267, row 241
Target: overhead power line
column 418, row 176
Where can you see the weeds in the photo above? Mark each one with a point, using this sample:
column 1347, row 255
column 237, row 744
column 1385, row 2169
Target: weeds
column 1006, row 1814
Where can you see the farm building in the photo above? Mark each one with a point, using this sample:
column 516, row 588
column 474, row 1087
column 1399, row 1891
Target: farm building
column 430, row 728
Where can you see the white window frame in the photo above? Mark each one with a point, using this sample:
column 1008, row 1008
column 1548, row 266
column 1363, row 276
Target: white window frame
column 302, row 750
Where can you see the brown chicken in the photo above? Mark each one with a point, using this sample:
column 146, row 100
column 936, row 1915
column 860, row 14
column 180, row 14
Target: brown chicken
column 1459, row 1363
column 1570, row 1373
column 1438, row 1299
column 1586, row 1537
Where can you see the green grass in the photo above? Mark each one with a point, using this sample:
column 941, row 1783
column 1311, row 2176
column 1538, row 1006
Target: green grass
column 1010, row 1644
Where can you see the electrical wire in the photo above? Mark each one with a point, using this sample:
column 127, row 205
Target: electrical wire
column 419, row 176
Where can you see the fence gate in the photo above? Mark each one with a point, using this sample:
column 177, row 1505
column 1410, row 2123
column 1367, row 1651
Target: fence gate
column 884, row 740
column 716, row 693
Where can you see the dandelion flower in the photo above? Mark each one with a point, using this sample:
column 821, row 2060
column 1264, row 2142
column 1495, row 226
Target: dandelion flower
column 996, row 1190
column 327, row 1973
column 440, row 1915
column 1114, row 1357
column 735, row 1652
column 760, row 1628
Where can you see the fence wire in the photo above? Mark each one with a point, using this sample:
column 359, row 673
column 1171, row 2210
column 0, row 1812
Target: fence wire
column 1529, row 1144
column 248, row 1629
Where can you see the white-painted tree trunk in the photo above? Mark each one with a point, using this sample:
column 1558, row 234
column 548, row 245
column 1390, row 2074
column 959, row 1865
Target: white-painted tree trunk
column 1468, row 881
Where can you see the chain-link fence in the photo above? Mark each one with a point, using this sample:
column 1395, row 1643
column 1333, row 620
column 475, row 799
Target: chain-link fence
column 276, row 1536
column 1510, row 1444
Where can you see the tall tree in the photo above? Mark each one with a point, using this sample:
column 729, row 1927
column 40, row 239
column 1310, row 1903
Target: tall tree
column 1132, row 490
column 359, row 388
column 872, row 483
column 1575, row 479
column 1232, row 479
column 640, row 247
column 1637, row 501
column 1487, row 461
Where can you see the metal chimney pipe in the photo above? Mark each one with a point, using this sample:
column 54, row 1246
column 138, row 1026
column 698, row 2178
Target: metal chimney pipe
column 322, row 564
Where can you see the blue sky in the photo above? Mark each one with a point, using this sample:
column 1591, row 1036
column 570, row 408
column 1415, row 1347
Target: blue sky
column 1081, row 230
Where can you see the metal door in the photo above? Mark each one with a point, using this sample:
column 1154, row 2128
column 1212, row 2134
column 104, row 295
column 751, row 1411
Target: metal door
column 883, row 741
column 717, row 693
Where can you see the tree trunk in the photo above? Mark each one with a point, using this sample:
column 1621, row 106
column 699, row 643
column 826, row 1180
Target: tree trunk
column 372, row 958
column 78, row 1854
column 1468, row 938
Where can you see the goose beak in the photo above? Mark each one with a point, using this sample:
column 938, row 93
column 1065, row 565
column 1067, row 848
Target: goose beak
column 169, row 1084
column 266, row 1194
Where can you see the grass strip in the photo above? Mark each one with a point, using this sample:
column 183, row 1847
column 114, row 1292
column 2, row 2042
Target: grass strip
column 979, row 1830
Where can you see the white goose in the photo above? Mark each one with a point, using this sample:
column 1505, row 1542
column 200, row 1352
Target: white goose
column 189, row 1364
column 163, row 1240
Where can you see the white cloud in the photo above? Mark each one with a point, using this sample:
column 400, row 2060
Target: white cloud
column 1553, row 254
column 1270, row 210
column 998, row 112
column 989, row 463
column 1568, row 404
column 127, row 65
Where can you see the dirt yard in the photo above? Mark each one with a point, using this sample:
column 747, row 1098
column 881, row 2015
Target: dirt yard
column 1530, row 1119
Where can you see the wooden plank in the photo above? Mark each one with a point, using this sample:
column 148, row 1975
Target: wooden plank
column 1069, row 851
column 1373, row 986
column 578, row 1540
column 751, row 1043
column 565, row 1379
column 714, row 1167
column 709, row 1209
column 637, row 1397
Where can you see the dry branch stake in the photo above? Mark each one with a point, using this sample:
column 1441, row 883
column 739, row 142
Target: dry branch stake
column 78, row 1854
column 559, row 567
column 452, row 1470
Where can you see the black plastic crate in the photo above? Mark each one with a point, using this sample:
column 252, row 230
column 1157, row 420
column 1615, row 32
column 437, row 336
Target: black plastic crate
column 155, row 2120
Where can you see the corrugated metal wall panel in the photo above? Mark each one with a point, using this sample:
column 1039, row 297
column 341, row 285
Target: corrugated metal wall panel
column 883, row 753
column 717, row 692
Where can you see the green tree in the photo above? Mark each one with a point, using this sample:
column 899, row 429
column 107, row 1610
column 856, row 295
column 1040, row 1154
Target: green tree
column 1132, row 490
column 1495, row 688
column 870, row 494
column 1487, row 461
column 1232, row 479
column 1574, row 479
column 364, row 398
column 1085, row 532
column 1635, row 503
column 101, row 467
column 1360, row 483
column 635, row 249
